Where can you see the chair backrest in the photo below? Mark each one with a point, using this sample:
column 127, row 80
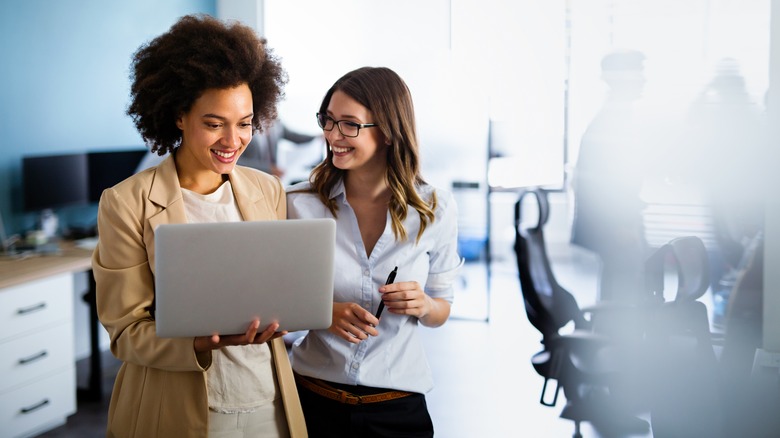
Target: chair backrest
column 746, row 298
column 684, row 317
column 688, row 256
column 678, row 344
column 745, row 315
column 548, row 305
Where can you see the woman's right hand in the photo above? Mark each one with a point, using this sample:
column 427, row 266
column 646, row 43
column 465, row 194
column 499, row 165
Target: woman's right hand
column 203, row 344
column 352, row 322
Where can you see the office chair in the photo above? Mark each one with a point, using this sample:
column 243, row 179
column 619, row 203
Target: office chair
column 682, row 369
column 576, row 360
column 744, row 315
column 747, row 400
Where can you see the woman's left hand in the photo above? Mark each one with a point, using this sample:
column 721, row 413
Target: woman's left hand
column 406, row 298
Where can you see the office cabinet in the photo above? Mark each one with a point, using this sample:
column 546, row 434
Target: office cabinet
column 37, row 364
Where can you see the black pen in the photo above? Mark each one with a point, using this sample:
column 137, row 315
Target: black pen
column 390, row 279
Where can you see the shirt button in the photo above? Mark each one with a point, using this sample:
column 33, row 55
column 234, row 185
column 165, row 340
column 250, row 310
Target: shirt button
column 355, row 366
column 366, row 273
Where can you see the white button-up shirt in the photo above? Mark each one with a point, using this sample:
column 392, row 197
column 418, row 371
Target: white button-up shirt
column 395, row 359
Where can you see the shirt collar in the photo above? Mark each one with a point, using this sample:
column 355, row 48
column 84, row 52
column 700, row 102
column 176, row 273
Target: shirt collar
column 339, row 191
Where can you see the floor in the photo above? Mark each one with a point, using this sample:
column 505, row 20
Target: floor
column 485, row 385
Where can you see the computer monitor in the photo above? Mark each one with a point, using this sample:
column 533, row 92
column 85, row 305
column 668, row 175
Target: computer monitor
column 54, row 181
column 108, row 168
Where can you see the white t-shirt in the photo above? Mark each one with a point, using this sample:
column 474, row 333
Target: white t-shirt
column 241, row 378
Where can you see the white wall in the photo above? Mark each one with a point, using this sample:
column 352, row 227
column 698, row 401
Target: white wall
column 249, row 12
column 331, row 38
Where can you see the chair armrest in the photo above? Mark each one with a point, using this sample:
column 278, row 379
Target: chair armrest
column 608, row 306
column 580, row 339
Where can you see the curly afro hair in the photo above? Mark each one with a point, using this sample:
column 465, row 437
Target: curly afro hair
column 199, row 53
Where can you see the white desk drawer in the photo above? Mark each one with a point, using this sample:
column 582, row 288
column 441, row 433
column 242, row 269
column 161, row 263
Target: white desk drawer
column 26, row 358
column 37, row 304
column 41, row 405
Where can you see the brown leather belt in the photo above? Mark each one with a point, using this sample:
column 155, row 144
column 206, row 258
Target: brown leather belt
column 319, row 387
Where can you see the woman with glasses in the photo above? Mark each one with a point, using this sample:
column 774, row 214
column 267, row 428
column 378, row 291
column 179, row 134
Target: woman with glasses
column 367, row 374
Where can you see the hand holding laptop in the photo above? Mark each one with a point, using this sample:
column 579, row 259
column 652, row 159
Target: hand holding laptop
column 203, row 344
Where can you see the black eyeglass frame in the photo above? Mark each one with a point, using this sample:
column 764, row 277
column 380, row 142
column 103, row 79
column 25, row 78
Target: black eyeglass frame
column 339, row 122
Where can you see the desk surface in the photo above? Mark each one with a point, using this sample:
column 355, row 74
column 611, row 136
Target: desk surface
column 17, row 271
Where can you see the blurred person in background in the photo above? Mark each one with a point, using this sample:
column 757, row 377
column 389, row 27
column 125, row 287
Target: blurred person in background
column 608, row 179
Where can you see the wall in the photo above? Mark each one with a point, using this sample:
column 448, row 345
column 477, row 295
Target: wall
column 249, row 12
column 64, row 86
column 450, row 104
column 64, row 79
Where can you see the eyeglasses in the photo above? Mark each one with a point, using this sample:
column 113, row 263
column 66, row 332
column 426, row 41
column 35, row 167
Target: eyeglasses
column 346, row 128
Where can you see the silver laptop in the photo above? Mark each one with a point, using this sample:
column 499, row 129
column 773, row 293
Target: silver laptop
column 218, row 277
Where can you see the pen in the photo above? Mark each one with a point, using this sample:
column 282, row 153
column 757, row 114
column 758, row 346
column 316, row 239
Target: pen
column 390, row 279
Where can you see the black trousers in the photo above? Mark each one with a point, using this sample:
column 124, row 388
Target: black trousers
column 404, row 417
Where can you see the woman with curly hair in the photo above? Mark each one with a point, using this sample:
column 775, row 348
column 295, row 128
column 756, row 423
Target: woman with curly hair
column 366, row 375
column 198, row 93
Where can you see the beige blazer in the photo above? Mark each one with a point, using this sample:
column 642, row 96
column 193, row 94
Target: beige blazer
column 160, row 389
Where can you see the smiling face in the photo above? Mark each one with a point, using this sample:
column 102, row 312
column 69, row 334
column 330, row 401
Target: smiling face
column 364, row 152
column 215, row 132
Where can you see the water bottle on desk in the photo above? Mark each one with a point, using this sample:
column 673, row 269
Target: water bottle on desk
column 49, row 223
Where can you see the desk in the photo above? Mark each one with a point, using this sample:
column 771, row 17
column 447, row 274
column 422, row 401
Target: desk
column 18, row 271
column 37, row 361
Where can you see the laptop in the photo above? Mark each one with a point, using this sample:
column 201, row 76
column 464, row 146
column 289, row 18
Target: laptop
column 218, row 277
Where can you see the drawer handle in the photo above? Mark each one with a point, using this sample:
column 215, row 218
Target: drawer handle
column 31, row 309
column 33, row 358
column 34, row 407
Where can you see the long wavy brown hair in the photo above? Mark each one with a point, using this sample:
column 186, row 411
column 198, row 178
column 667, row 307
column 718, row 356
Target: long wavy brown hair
column 199, row 53
column 385, row 94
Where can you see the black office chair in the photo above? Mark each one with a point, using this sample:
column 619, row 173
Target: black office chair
column 683, row 367
column 744, row 315
column 575, row 361
column 749, row 404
